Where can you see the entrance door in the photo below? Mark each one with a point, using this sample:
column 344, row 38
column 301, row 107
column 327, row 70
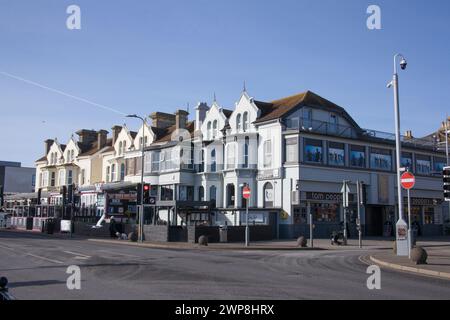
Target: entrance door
column 374, row 221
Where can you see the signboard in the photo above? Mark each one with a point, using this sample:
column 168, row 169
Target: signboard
column 246, row 193
column 408, row 180
column 65, row 225
column 324, row 196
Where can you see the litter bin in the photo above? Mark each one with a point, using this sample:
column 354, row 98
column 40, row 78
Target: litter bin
column 50, row 226
column 223, row 234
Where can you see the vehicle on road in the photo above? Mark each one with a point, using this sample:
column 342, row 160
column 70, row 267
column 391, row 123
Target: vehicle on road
column 5, row 220
column 4, row 294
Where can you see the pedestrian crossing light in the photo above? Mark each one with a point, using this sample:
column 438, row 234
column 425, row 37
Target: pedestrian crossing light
column 446, row 175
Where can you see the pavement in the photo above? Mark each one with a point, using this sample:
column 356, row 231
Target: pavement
column 36, row 267
column 438, row 262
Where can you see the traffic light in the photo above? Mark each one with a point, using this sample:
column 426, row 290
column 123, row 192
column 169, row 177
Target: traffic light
column 70, row 193
column 146, row 193
column 64, row 195
column 446, row 177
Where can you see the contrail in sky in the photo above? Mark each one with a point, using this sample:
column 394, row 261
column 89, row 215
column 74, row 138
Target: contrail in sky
column 62, row 93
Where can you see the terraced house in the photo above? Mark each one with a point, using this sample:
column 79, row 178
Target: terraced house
column 294, row 154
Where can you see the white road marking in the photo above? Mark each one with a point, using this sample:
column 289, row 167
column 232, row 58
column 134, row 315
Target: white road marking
column 43, row 258
column 7, row 248
column 78, row 255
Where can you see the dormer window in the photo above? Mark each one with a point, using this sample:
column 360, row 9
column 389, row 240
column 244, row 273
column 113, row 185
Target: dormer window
column 208, row 131
column 214, row 129
column 238, row 123
column 245, row 121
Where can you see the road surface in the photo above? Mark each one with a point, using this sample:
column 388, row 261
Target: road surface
column 36, row 268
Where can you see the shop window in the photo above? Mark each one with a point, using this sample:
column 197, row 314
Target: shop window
column 423, row 165
column 380, row 159
column 428, row 215
column 336, row 154
column 313, row 151
column 325, row 212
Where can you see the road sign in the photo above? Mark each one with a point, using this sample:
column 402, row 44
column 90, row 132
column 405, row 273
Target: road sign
column 246, row 193
column 345, row 192
column 408, row 180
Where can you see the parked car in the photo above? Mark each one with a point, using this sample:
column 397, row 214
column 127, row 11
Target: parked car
column 5, row 220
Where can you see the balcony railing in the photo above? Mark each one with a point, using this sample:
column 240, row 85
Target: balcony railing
column 321, row 127
column 332, row 129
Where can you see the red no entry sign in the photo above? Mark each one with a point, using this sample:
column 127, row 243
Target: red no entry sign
column 408, row 180
column 246, row 193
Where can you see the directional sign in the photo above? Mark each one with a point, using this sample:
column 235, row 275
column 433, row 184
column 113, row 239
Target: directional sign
column 246, row 193
column 345, row 192
column 408, row 180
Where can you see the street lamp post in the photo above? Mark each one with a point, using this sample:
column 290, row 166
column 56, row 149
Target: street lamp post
column 402, row 248
column 141, row 213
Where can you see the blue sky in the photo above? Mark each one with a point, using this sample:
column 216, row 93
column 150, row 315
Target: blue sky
column 143, row 56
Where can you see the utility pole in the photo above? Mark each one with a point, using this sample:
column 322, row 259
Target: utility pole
column 359, row 200
column 311, row 225
column 345, row 198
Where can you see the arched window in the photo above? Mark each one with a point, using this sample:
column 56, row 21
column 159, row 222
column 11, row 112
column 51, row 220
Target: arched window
column 231, row 156
column 268, row 195
column 213, row 160
column 245, row 121
column 113, row 173
column 201, row 193
column 208, row 131
column 213, row 194
column 246, row 147
column 238, row 122
column 120, row 147
column 122, row 172
column 214, row 129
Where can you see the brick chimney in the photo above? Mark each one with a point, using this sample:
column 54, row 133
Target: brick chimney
column 162, row 120
column 102, row 136
column 115, row 133
column 181, row 118
column 200, row 114
column 87, row 136
column 47, row 144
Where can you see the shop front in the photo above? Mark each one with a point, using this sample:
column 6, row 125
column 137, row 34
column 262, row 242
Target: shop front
column 426, row 215
column 327, row 213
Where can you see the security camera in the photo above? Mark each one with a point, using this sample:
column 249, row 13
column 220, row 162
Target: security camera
column 403, row 64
